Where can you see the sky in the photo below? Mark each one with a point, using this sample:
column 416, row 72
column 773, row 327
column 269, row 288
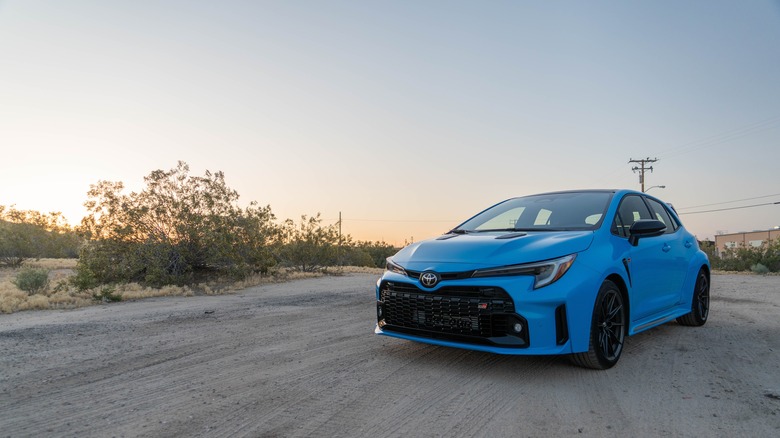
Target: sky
column 407, row 117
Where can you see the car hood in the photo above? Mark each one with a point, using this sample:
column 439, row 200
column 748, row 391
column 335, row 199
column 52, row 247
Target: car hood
column 481, row 250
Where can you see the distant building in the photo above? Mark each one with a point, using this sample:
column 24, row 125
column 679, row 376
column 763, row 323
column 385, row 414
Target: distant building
column 737, row 240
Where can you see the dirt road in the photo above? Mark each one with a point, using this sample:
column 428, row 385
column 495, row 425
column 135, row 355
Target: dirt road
column 301, row 359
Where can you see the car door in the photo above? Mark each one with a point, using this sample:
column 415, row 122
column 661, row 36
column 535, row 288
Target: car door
column 678, row 247
column 650, row 265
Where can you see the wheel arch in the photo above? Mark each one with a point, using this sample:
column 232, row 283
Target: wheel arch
column 580, row 322
column 621, row 284
column 707, row 272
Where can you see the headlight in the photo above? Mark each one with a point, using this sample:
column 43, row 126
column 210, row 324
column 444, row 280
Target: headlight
column 393, row 267
column 546, row 272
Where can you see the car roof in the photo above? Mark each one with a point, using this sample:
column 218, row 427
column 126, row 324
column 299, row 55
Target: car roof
column 561, row 192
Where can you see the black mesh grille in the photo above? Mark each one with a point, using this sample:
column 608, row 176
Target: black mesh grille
column 468, row 314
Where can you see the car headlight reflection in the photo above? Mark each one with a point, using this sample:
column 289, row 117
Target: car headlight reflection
column 544, row 273
column 393, row 267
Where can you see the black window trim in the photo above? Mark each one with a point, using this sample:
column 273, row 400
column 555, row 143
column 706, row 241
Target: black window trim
column 613, row 227
column 675, row 225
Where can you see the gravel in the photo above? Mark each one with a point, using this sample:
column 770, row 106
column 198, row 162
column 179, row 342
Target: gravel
column 301, row 359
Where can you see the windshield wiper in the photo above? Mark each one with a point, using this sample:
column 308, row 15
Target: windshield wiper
column 459, row 231
column 505, row 229
column 524, row 230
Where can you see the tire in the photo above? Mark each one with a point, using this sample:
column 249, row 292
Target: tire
column 607, row 330
column 700, row 303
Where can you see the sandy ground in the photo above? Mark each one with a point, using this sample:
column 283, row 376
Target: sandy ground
column 301, row 359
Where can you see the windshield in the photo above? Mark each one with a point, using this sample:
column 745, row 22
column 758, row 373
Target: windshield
column 550, row 212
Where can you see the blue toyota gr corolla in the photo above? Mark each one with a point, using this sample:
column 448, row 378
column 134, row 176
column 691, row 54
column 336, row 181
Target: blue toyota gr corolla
column 558, row 273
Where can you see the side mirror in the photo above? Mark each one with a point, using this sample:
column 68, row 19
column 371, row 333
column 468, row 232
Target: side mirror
column 645, row 228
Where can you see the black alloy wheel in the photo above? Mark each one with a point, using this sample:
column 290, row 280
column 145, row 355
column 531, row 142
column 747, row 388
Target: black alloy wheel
column 700, row 302
column 608, row 330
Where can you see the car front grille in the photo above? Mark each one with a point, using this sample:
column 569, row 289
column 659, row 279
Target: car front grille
column 479, row 315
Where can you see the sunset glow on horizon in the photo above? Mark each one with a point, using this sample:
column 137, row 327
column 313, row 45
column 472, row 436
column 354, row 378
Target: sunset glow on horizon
column 404, row 117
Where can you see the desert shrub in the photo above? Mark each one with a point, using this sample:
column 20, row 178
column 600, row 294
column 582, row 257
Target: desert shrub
column 354, row 256
column 28, row 234
column 107, row 294
column 309, row 245
column 758, row 268
column 771, row 258
column 368, row 254
column 178, row 228
column 766, row 256
column 739, row 259
column 32, row 280
column 378, row 251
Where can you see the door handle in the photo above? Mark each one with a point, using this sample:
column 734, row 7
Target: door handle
column 666, row 247
column 688, row 244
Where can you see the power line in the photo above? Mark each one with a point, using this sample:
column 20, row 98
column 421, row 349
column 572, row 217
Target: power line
column 731, row 208
column 728, row 202
column 723, row 137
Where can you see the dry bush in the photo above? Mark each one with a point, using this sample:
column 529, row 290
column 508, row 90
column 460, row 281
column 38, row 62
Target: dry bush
column 11, row 298
column 69, row 300
column 16, row 300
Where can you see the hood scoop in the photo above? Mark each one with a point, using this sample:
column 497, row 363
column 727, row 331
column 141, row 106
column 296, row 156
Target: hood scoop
column 512, row 235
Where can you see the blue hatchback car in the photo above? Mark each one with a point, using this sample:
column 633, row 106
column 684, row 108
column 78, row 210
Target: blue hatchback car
column 557, row 273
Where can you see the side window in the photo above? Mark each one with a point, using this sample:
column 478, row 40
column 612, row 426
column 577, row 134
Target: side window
column 662, row 215
column 631, row 209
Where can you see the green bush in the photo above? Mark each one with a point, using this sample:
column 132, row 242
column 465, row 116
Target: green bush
column 310, row 245
column 28, row 234
column 182, row 229
column 379, row 251
column 762, row 259
column 32, row 280
column 178, row 229
column 107, row 294
column 758, row 268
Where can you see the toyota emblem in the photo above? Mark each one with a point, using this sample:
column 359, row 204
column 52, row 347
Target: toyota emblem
column 429, row 279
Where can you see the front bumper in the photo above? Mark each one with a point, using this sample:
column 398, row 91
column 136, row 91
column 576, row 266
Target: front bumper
column 471, row 315
column 554, row 319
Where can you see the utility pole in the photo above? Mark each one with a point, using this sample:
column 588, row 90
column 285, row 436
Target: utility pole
column 339, row 250
column 642, row 168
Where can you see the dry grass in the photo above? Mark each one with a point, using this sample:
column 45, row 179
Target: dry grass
column 60, row 295
column 14, row 300
column 134, row 291
column 52, row 264
column 719, row 272
column 357, row 270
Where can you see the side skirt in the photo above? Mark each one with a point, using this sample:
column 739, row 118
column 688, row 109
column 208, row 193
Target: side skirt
column 656, row 320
